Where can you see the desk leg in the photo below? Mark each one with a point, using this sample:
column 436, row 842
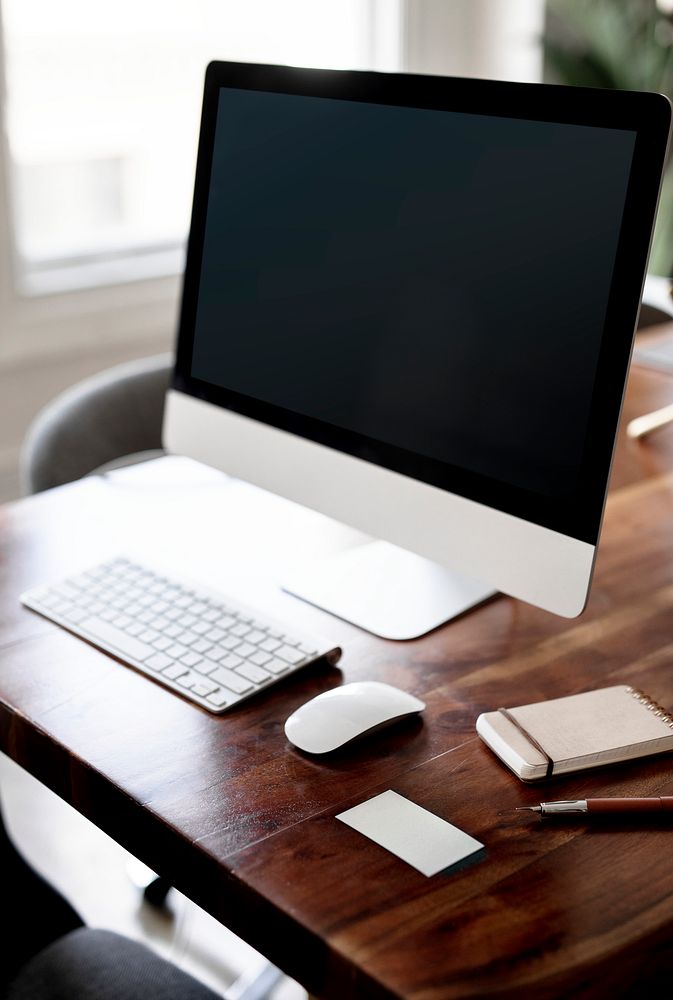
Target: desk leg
column 257, row 988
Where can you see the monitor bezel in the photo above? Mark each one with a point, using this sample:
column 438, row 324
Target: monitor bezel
column 577, row 515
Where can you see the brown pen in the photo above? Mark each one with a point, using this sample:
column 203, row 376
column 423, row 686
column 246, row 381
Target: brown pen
column 602, row 807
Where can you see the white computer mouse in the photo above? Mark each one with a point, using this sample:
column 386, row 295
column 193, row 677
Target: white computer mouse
column 338, row 716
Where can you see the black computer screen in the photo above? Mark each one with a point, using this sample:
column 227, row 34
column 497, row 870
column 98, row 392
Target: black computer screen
column 424, row 288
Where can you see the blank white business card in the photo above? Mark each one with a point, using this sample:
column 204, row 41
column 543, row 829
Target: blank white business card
column 417, row 836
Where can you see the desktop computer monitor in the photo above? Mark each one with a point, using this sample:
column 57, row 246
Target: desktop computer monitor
column 409, row 303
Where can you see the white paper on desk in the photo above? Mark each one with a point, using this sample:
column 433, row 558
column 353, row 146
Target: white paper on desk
column 417, row 836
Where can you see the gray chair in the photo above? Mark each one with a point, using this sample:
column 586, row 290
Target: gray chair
column 111, row 419
column 94, row 964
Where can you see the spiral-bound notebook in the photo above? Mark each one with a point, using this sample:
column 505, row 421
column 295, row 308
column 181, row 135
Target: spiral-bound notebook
column 579, row 731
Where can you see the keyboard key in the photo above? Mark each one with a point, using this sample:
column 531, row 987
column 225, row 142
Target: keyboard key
column 203, row 688
column 270, row 645
column 149, row 635
column 76, row 616
column 215, row 635
column 176, row 651
column 230, row 642
column 240, row 630
column 219, row 698
column 255, row 637
column 158, row 662
column 260, row 658
column 127, row 644
column 228, row 679
column 216, row 653
column 173, row 631
column 201, row 627
column 289, row 654
column 211, row 615
column 231, row 661
column 62, row 606
column 277, row 666
column 201, row 646
column 253, row 673
column 122, row 622
column 204, row 667
column 187, row 637
column 190, row 659
column 245, row 650
column 177, row 670
column 188, row 679
column 226, row 622
column 162, row 643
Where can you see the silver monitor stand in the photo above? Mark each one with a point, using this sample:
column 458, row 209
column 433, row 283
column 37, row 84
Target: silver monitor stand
column 387, row 590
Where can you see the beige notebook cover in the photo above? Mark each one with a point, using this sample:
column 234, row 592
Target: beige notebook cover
column 576, row 732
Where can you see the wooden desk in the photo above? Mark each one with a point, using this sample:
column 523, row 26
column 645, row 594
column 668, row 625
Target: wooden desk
column 244, row 824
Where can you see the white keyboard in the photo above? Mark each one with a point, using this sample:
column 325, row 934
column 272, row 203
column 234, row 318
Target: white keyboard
column 205, row 646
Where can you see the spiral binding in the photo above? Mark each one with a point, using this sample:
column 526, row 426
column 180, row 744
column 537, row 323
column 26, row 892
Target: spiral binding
column 652, row 706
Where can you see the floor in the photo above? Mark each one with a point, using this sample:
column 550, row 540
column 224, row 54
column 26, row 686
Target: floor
column 90, row 869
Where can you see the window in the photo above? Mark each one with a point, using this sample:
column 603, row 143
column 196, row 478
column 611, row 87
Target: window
column 102, row 114
column 99, row 124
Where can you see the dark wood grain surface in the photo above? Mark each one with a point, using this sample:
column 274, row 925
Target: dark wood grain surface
column 244, row 824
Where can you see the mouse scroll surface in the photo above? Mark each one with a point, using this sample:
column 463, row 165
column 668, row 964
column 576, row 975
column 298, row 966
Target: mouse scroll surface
column 336, row 717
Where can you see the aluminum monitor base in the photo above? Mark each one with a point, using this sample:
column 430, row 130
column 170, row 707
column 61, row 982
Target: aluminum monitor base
column 386, row 590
